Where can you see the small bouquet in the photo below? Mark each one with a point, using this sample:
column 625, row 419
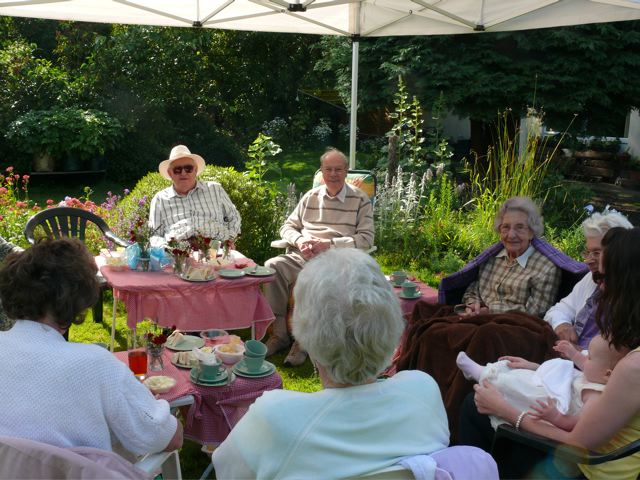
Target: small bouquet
column 158, row 337
column 156, row 340
column 200, row 243
column 180, row 250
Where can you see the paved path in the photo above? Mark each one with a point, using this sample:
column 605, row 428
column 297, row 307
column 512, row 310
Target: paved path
column 624, row 200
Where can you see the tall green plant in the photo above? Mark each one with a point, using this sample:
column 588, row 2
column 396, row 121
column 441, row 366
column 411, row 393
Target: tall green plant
column 508, row 171
column 407, row 127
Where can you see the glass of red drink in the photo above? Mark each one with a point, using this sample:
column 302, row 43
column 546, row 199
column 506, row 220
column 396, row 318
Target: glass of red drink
column 138, row 363
column 137, row 354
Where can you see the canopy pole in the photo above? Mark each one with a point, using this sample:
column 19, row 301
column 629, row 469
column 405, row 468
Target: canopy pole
column 353, row 127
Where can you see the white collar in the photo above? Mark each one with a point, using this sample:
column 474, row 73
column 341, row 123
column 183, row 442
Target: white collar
column 342, row 194
column 522, row 259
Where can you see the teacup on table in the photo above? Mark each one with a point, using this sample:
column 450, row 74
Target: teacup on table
column 255, row 349
column 409, row 289
column 254, row 353
column 209, row 372
column 398, row 278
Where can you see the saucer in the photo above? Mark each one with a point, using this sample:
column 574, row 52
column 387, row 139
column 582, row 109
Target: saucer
column 222, row 383
column 266, row 369
column 189, row 342
column 259, row 271
column 184, row 277
column 418, row 294
column 220, row 380
column 231, row 273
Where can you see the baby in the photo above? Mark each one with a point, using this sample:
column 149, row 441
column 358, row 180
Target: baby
column 554, row 391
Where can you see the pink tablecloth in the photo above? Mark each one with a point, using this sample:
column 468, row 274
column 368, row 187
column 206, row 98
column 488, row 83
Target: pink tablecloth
column 169, row 300
column 429, row 294
column 215, row 410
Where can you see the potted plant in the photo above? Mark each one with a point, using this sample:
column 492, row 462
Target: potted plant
column 70, row 135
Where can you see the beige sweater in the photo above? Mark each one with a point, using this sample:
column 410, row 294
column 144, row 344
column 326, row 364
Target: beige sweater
column 317, row 215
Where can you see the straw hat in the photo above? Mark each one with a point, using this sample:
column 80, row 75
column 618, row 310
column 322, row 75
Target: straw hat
column 178, row 152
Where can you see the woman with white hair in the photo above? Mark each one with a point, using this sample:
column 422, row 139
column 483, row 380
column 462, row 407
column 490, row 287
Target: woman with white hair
column 349, row 321
column 518, row 277
column 573, row 317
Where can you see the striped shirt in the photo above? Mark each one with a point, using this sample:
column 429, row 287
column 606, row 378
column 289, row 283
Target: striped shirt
column 346, row 218
column 528, row 284
column 205, row 210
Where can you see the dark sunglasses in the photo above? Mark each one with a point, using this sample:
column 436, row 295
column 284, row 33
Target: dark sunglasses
column 186, row 168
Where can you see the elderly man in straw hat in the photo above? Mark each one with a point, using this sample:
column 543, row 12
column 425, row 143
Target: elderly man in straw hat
column 190, row 207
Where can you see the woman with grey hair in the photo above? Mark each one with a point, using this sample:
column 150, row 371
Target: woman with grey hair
column 349, row 320
column 573, row 317
column 518, row 277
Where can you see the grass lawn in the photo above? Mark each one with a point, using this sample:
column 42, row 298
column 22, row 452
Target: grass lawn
column 192, row 459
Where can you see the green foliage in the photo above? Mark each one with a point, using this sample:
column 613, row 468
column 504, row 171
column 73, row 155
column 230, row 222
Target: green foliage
column 583, row 69
column 407, row 127
column 64, row 131
column 261, row 148
column 260, row 208
column 508, row 171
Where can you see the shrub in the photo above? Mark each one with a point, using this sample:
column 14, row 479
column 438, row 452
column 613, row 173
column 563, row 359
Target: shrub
column 261, row 209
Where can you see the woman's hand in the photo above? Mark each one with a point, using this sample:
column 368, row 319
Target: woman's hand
column 566, row 331
column 517, row 362
column 474, row 309
column 489, row 400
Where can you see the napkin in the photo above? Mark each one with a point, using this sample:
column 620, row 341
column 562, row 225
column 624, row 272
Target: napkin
column 207, row 358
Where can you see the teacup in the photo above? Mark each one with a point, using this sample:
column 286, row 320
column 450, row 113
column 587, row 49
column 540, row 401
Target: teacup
column 208, row 372
column 255, row 349
column 253, row 363
column 398, row 277
column 409, row 289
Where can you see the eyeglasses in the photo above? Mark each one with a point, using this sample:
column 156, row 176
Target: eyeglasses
column 595, row 254
column 186, row 168
column 333, row 170
column 519, row 228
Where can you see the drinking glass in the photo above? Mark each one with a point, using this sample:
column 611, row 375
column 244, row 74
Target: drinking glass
column 136, row 354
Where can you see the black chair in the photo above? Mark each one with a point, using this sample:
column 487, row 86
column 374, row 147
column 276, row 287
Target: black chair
column 61, row 222
column 566, row 457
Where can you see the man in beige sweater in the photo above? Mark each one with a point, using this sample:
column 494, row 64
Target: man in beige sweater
column 333, row 215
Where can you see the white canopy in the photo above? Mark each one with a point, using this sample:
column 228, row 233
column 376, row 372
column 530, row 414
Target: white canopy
column 353, row 18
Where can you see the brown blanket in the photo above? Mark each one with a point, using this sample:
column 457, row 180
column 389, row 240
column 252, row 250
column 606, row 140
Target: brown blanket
column 437, row 335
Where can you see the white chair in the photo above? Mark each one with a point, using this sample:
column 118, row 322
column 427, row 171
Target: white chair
column 21, row 458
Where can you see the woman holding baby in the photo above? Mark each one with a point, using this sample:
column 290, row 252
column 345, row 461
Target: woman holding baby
column 612, row 419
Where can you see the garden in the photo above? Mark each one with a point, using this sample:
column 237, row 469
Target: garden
column 83, row 100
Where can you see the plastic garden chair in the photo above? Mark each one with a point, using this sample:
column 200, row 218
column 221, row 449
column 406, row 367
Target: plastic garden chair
column 59, row 222
column 28, row 459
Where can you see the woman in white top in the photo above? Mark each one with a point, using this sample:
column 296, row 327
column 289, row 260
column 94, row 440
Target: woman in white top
column 349, row 321
column 61, row 393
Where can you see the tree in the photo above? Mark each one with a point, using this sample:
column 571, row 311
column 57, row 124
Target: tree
column 584, row 70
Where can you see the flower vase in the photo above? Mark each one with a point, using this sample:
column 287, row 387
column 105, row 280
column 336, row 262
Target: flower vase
column 179, row 264
column 143, row 264
column 154, row 353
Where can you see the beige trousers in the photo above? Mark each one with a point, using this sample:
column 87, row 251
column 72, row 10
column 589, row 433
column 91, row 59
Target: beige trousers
column 287, row 267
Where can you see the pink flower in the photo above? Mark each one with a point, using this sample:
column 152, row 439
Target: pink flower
column 1, row 218
column 9, row 169
column 3, row 191
column 49, row 202
column 25, row 178
column 21, row 204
